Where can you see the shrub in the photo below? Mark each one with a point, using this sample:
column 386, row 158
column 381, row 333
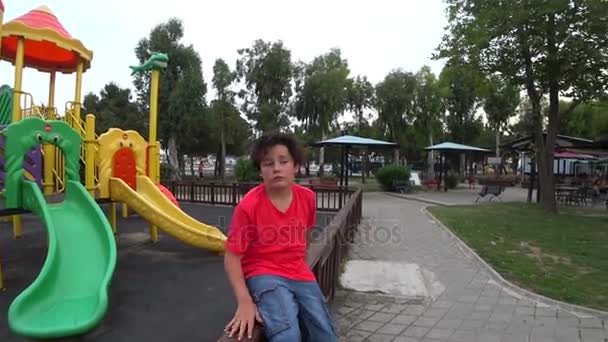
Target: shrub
column 166, row 171
column 451, row 181
column 390, row 173
column 245, row 171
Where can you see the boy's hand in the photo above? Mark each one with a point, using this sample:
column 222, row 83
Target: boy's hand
column 244, row 319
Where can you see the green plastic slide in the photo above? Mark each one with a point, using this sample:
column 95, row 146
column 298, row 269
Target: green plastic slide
column 70, row 295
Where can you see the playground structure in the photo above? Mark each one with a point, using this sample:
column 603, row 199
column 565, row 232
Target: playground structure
column 42, row 155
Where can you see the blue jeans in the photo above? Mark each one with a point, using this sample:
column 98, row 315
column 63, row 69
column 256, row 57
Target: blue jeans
column 292, row 310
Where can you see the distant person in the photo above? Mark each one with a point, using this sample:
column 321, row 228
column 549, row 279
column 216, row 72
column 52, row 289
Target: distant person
column 200, row 170
column 266, row 252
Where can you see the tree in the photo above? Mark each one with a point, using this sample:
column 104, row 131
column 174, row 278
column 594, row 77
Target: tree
column 182, row 90
column 360, row 96
column 395, row 102
column 500, row 103
column 236, row 132
column 429, row 110
column 600, row 119
column 550, row 48
column 588, row 120
column 114, row 108
column 526, row 119
column 528, row 123
column 222, row 80
column 321, row 94
column 461, row 87
column 267, row 70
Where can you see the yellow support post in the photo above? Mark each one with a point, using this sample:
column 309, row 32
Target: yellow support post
column 78, row 94
column 49, row 149
column 125, row 211
column 113, row 217
column 18, row 80
column 17, row 227
column 153, row 125
column 89, row 157
column 152, row 161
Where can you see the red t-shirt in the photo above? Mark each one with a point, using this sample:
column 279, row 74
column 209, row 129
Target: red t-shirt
column 272, row 242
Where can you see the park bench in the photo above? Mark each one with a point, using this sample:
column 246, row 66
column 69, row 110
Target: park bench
column 431, row 184
column 492, row 190
column 402, row 186
column 324, row 182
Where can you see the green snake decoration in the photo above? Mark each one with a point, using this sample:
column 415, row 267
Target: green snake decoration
column 157, row 61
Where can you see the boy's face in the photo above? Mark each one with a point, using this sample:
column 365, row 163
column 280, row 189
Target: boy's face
column 277, row 168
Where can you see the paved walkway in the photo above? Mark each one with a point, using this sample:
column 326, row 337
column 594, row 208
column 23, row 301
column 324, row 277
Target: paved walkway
column 472, row 306
column 464, row 195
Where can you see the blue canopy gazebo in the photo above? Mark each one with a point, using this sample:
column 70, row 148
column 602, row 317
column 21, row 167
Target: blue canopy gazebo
column 447, row 147
column 347, row 142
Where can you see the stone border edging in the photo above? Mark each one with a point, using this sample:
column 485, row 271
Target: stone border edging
column 503, row 282
column 418, row 199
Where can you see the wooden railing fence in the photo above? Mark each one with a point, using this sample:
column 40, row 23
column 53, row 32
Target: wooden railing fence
column 329, row 198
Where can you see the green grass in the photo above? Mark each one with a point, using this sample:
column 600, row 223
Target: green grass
column 564, row 257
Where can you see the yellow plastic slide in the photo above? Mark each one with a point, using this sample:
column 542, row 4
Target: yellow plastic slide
column 151, row 204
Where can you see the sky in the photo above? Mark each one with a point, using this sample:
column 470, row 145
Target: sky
column 374, row 36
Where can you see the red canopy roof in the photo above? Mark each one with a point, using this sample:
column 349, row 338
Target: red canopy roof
column 1, row 7
column 48, row 45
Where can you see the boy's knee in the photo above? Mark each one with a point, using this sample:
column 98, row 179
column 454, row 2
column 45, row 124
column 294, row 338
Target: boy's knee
column 278, row 309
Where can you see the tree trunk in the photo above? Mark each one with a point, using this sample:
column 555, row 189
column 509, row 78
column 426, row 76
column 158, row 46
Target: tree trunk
column 514, row 165
column 192, row 167
column 431, row 160
column 532, row 179
column 499, row 166
column 461, row 169
column 322, row 157
column 396, row 152
column 173, row 158
column 547, row 179
column 363, row 166
column 497, row 142
column 544, row 148
column 222, row 154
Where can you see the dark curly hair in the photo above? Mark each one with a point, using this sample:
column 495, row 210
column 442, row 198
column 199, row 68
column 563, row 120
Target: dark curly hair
column 268, row 141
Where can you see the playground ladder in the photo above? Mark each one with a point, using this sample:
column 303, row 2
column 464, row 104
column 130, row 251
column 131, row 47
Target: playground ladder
column 79, row 125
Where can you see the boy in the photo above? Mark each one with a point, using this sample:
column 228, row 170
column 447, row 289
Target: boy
column 266, row 252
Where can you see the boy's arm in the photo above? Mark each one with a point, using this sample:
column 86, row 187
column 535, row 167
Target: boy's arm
column 232, row 265
column 312, row 221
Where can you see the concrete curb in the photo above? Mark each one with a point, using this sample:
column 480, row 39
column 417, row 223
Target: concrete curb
column 418, row 199
column 577, row 310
